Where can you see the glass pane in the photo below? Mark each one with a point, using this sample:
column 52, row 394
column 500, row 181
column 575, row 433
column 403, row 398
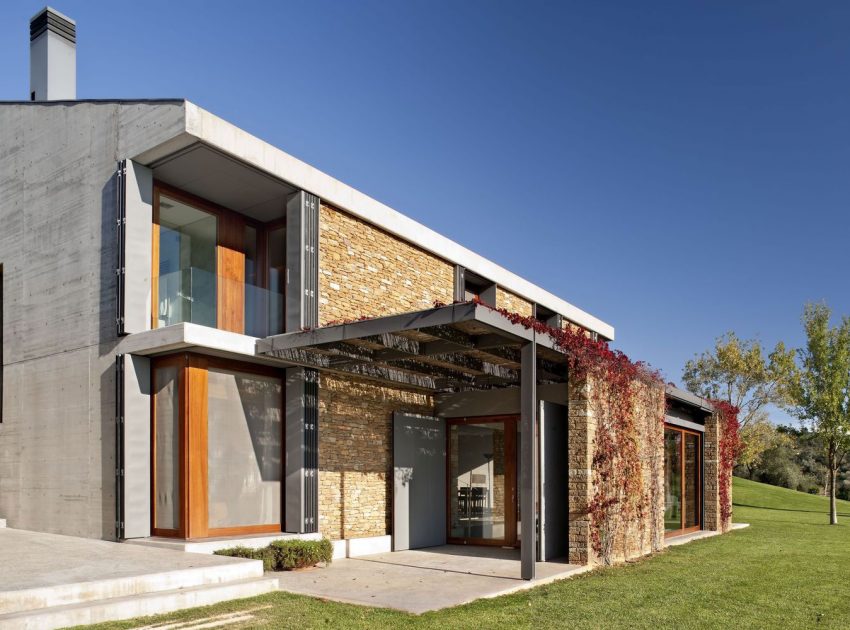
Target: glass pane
column 692, row 507
column 167, row 445
column 277, row 279
column 255, row 308
column 187, row 264
column 244, row 449
column 477, row 480
column 672, row 480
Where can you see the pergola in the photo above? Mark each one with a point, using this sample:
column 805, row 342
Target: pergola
column 460, row 347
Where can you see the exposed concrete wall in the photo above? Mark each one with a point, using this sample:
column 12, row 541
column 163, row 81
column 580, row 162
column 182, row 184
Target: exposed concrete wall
column 366, row 272
column 57, row 246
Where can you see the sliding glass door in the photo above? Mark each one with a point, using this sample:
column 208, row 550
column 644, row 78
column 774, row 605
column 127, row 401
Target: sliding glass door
column 482, row 488
column 682, row 481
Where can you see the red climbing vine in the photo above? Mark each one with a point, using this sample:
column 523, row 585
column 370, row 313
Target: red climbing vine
column 728, row 450
column 618, row 493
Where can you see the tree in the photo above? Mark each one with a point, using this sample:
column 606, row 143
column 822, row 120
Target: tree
column 737, row 371
column 759, row 437
column 820, row 391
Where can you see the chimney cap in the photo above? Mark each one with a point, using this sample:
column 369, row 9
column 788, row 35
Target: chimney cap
column 49, row 19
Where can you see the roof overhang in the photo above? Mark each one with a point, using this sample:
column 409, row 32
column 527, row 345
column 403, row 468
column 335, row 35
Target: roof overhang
column 229, row 140
column 688, row 400
column 458, row 347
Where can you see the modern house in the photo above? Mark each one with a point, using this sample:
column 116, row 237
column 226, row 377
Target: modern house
column 205, row 338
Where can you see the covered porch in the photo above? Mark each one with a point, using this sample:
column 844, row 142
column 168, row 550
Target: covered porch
column 469, row 352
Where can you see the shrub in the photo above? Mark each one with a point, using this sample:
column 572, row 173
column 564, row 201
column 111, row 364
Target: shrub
column 297, row 554
column 265, row 554
column 285, row 555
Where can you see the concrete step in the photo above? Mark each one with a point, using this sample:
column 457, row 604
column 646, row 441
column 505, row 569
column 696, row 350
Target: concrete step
column 210, row 545
column 230, row 570
column 128, row 607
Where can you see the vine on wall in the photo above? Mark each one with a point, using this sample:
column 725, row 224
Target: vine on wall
column 619, row 496
column 729, row 448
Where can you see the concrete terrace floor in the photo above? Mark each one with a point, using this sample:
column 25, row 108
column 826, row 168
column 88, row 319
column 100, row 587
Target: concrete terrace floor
column 421, row 580
column 37, row 560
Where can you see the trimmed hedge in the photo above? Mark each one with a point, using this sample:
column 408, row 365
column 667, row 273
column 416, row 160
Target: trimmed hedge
column 286, row 555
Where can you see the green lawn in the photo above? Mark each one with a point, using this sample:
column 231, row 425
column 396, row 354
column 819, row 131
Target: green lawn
column 789, row 569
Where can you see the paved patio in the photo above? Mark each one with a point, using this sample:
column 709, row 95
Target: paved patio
column 424, row 579
column 51, row 581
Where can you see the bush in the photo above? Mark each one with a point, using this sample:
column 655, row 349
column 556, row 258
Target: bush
column 265, row 554
column 285, row 555
column 297, row 554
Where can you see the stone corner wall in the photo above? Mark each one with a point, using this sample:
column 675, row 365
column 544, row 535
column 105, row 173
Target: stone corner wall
column 711, row 474
column 367, row 272
column 355, row 453
column 645, row 534
column 582, row 430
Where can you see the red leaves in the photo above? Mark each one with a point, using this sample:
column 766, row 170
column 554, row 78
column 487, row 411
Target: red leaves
column 618, row 493
column 728, row 450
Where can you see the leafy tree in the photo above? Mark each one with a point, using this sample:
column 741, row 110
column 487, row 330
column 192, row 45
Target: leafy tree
column 820, row 390
column 758, row 438
column 737, row 371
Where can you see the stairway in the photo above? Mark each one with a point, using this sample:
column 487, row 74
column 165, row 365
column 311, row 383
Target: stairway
column 71, row 604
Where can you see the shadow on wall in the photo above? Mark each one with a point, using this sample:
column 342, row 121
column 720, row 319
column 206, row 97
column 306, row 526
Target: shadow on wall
column 355, row 453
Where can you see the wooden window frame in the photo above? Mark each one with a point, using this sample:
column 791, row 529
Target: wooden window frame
column 698, row 527
column 192, row 387
column 510, row 423
column 230, row 255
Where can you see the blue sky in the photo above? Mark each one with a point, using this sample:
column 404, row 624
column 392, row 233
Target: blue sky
column 678, row 169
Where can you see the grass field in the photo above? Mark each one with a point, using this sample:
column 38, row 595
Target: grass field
column 789, row 569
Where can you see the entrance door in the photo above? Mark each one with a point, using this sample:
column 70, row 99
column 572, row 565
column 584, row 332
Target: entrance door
column 482, row 480
column 682, row 481
column 419, row 467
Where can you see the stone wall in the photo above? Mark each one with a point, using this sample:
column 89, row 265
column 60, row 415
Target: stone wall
column 512, row 302
column 642, row 535
column 711, row 470
column 367, row 272
column 355, row 453
column 582, row 432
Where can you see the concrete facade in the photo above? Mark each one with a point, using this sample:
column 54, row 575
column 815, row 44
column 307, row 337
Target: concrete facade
column 57, row 247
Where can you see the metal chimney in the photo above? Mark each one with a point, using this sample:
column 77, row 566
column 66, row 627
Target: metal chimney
column 53, row 56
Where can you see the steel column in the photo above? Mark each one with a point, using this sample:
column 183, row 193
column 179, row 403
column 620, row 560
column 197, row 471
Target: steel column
column 528, row 459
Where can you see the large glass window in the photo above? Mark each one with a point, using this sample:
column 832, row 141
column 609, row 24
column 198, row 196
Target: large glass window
column 276, row 278
column 672, row 480
column 682, row 480
column 244, row 457
column 166, row 444
column 187, row 264
column 217, row 440
column 217, row 268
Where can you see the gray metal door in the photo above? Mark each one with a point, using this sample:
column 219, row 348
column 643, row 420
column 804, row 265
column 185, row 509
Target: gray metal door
column 419, row 484
column 554, row 471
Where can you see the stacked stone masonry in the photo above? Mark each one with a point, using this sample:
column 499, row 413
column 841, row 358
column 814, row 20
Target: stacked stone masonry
column 355, row 453
column 366, row 272
column 512, row 303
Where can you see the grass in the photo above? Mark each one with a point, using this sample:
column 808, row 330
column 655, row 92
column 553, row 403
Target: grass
column 789, row 569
